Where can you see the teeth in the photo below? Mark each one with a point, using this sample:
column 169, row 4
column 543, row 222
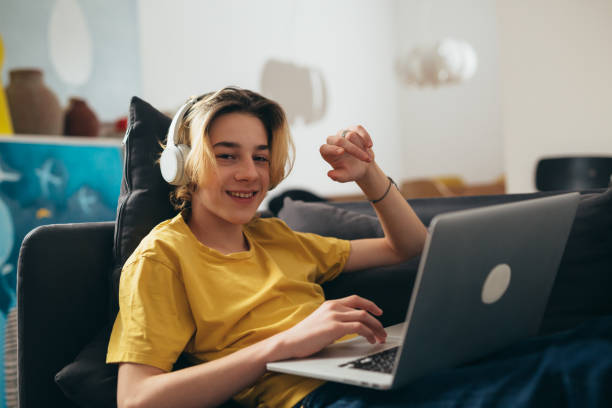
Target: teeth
column 242, row 195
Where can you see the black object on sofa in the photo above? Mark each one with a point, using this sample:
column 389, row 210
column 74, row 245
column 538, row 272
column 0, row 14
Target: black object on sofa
column 574, row 172
column 67, row 274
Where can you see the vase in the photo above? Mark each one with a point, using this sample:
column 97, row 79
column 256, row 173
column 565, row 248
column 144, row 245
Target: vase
column 34, row 108
column 80, row 120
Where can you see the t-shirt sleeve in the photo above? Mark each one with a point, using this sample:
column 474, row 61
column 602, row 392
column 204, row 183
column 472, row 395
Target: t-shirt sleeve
column 330, row 254
column 154, row 323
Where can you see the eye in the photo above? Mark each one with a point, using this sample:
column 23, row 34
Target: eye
column 262, row 159
column 225, row 156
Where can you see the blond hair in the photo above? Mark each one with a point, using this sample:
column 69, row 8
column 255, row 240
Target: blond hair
column 195, row 129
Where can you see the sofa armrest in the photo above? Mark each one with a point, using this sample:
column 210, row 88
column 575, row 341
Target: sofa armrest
column 62, row 299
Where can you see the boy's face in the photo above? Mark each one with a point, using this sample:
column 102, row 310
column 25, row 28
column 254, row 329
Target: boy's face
column 235, row 190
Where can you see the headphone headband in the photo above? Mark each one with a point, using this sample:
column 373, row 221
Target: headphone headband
column 175, row 125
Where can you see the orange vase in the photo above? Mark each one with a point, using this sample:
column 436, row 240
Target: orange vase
column 34, row 108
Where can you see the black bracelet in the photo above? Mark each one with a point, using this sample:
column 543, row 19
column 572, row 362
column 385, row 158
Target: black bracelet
column 391, row 182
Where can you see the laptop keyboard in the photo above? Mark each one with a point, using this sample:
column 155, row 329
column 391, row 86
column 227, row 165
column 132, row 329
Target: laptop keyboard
column 381, row 362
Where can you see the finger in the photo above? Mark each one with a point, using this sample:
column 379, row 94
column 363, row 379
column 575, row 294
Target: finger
column 330, row 151
column 353, row 147
column 342, row 132
column 362, row 316
column 365, row 139
column 360, row 329
column 339, row 175
column 358, row 302
column 366, row 318
column 360, row 130
column 335, row 139
column 358, row 140
column 350, row 134
column 364, row 133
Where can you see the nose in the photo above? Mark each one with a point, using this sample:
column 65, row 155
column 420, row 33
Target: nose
column 246, row 170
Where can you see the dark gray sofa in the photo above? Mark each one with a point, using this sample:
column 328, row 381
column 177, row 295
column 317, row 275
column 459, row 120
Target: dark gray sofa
column 64, row 289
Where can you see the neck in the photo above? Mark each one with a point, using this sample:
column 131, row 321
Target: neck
column 217, row 233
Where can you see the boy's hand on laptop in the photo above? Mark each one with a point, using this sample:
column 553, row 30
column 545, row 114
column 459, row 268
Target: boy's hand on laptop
column 349, row 152
column 332, row 320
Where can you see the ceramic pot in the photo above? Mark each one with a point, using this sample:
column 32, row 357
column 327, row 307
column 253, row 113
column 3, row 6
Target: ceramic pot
column 34, row 108
column 80, row 120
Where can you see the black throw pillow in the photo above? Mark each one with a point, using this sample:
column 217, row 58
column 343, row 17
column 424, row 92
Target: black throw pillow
column 143, row 203
column 144, row 200
column 88, row 380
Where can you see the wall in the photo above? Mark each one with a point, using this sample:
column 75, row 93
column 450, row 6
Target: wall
column 86, row 49
column 454, row 129
column 556, row 62
column 353, row 45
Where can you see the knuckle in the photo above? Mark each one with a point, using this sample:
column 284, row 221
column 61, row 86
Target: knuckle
column 334, row 316
column 335, row 327
column 330, row 304
column 356, row 327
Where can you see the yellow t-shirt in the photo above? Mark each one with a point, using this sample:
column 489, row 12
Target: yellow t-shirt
column 178, row 295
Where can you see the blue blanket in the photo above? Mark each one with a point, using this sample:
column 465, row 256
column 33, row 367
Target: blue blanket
column 566, row 369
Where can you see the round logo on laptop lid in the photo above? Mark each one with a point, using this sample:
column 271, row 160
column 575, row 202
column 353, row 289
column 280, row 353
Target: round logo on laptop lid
column 496, row 284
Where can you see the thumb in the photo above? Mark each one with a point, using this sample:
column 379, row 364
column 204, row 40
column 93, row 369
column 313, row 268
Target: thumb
column 337, row 175
column 329, row 152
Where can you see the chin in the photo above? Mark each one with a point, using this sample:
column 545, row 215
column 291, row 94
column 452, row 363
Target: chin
column 241, row 219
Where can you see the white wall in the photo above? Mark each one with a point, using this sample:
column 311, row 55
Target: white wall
column 454, row 129
column 191, row 46
column 556, row 63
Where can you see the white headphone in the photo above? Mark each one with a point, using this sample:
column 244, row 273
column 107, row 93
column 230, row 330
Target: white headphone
column 172, row 161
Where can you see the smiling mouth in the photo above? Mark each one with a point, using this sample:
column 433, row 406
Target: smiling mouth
column 242, row 195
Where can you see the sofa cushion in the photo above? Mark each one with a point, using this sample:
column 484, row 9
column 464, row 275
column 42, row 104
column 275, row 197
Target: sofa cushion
column 326, row 220
column 276, row 202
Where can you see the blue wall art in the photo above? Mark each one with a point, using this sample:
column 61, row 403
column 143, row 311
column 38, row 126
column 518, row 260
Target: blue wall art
column 48, row 181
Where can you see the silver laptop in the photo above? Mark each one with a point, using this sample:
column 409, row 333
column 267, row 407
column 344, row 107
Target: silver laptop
column 483, row 283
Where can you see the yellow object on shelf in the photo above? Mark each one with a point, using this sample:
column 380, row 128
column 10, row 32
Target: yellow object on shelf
column 6, row 127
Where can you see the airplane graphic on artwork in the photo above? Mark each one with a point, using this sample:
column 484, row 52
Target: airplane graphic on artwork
column 46, row 176
column 86, row 199
column 7, row 174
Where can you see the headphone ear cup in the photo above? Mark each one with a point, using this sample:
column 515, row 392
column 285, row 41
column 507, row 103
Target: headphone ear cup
column 172, row 163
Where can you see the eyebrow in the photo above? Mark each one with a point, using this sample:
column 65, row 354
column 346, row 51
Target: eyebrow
column 234, row 145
